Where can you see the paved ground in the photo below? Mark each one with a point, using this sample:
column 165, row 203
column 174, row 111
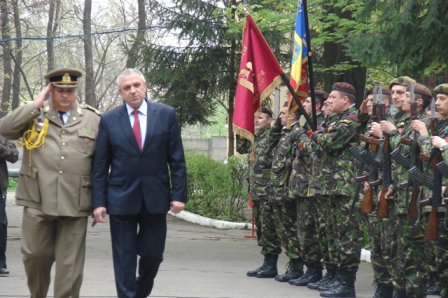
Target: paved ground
column 199, row 262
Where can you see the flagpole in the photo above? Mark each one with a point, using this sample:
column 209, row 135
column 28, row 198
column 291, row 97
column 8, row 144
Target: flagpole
column 310, row 66
column 285, row 80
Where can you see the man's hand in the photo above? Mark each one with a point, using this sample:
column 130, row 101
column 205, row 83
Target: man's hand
column 177, row 206
column 42, row 96
column 387, row 126
column 366, row 186
column 363, row 109
column 420, row 127
column 99, row 215
column 389, row 193
column 438, row 142
column 375, row 130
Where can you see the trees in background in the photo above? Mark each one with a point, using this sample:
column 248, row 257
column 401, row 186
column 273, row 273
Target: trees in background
column 190, row 49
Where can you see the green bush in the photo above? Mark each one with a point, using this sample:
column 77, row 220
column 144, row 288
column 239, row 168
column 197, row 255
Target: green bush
column 215, row 189
column 12, row 184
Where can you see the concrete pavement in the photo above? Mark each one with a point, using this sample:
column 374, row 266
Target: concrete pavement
column 199, row 262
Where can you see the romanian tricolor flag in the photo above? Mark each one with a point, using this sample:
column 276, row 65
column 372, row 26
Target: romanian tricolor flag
column 299, row 64
column 259, row 74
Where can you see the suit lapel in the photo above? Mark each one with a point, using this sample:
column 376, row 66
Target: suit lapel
column 151, row 121
column 125, row 124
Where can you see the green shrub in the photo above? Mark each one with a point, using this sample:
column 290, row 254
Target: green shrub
column 215, row 189
column 12, row 184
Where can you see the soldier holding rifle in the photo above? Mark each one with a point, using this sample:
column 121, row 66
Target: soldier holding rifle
column 405, row 234
column 375, row 108
column 436, row 231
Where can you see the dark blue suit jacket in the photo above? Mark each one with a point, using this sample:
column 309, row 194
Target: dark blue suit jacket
column 155, row 176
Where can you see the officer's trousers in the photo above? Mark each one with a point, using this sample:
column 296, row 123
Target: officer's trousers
column 50, row 239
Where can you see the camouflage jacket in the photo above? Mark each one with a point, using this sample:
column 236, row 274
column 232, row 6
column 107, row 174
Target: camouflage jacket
column 302, row 161
column 260, row 167
column 333, row 171
column 281, row 164
column 441, row 129
column 400, row 174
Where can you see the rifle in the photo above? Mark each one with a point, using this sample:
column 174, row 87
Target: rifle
column 383, row 204
column 367, row 201
column 368, row 156
column 436, row 199
column 415, row 152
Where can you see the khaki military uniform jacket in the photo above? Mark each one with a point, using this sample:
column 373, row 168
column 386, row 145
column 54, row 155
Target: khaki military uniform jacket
column 55, row 178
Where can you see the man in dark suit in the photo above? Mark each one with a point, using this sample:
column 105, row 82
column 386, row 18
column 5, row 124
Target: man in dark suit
column 140, row 143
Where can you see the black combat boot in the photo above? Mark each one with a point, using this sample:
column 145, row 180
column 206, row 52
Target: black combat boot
column 313, row 274
column 253, row 273
column 327, row 279
column 270, row 270
column 294, row 269
column 344, row 285
column 383, row 291
column 399, row 293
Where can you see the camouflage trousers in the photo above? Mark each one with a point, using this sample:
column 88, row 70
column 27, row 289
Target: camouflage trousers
column 408, row 267
column 285, row 214
column 310, row 235
column 436, row 253
column 267, row 235
column 324, row 222
column 377, row 229
column 346, row 232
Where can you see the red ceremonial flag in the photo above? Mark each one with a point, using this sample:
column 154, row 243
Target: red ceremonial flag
column 299, row 64
column 259, row 74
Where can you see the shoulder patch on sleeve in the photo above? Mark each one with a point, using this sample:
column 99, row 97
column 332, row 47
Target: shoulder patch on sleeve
column 90, row 108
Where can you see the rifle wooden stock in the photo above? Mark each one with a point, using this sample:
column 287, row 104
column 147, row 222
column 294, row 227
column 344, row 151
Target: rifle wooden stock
column 406, row 141
column 370, row 140
column 423, row 157
column 367, row 202
column 413, row 208
column 431, row 228
column 383, row 204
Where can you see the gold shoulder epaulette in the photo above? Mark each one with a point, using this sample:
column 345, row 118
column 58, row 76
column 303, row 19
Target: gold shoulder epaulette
column 86, row 106
column 347, row 121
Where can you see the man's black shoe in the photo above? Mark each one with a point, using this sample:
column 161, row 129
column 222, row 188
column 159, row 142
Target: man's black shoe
column 4, row 272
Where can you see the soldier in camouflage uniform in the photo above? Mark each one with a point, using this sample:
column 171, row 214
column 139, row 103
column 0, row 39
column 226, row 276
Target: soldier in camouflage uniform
column 260, row 170
column 284, row 208
column 300, row 190
column 376, row 226
column 336, row 188
column 405, row 238
column 440, row 246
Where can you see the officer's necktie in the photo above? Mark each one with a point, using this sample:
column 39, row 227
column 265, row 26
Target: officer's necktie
column 136, row 129
column 61, row 116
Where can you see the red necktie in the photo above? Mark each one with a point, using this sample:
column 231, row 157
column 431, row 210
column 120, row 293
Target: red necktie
column 136, row 129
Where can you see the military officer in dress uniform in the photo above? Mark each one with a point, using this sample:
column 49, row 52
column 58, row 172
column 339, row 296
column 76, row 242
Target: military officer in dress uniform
column 58, row 138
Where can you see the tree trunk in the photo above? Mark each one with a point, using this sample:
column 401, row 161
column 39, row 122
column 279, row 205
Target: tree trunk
column 334, row 54
column 18, row 57
column 52, row 25
column 89, row 78
column 231, row 99
column 6, row 47
column 140, row 38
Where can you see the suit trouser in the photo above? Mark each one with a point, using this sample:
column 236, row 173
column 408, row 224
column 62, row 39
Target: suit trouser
column 133, row 235
column 3, row 231
column 46, row 239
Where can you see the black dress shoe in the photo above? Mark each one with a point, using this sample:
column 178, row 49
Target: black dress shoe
column 4, row 272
